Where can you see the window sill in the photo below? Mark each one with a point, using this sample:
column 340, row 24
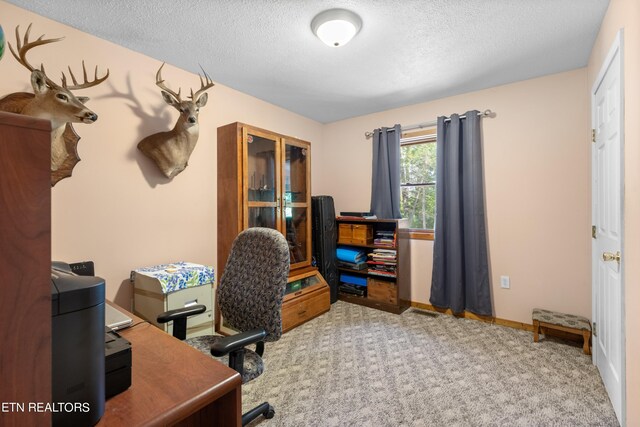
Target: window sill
column 416, row 234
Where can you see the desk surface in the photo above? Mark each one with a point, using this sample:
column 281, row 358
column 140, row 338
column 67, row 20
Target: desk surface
column 173, row 383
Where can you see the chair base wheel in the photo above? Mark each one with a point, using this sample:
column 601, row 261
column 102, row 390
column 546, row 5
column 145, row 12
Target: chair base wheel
column 270, row 413
column 263, row 409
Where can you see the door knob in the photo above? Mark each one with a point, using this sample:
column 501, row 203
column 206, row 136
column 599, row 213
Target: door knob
column 608, row 256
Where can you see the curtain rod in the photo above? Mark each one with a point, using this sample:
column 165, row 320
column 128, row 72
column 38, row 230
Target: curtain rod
column 485, row 113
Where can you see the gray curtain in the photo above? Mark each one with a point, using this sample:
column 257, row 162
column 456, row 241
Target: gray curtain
column 385, row 177
column 460, row 278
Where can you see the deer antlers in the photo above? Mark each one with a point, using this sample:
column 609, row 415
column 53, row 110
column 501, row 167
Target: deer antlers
column 203, row 85
column 25, row 45
column 161, row 85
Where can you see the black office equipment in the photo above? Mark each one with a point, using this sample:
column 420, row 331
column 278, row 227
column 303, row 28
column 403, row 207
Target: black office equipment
column 357, row 214
column 78, row 358
column 324, row 234
column 83, row 268
column 353, row 265
column 117, row 363
column 360, row 291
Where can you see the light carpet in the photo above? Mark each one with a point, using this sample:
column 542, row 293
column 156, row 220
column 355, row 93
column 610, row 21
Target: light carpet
column 357, row 366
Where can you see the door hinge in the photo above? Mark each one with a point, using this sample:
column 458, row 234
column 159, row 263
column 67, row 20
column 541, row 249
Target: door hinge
column 593, row 231
column 593, row 135
column 595, row 331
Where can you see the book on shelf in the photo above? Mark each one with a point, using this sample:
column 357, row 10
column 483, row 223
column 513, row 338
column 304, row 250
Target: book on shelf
column 384, row 251
column 385, row 238
column 382, row 274
column 384, row 262
column 381, row 269
column 381, row 256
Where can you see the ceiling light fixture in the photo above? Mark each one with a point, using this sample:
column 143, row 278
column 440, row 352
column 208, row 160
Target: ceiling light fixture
column 336, row 27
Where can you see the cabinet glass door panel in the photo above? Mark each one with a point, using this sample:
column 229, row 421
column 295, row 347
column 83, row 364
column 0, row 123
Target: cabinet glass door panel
column 296, row 225
column 262, row 170
column 261, row 182
column 300, row 284
column 262, row 217
column 295, row 173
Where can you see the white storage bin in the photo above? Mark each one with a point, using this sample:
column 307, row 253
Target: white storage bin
column 169, row 286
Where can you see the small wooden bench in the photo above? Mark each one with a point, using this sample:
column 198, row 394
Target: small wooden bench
column 562, row 322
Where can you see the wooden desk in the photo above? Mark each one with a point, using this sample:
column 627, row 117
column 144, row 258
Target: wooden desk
column 172, row 383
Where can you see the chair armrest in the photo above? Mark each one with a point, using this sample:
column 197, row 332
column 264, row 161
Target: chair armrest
column 179, row 317
column 237, row 342
column 180, row 313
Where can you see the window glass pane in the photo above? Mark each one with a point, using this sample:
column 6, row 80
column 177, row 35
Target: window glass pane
column 418, row 205
column 297, row 234
column 295, row 173
column 262, row 217
column 418, row 163
column 297, row 285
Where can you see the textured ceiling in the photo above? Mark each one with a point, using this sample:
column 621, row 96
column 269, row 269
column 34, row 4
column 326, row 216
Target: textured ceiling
column 408, row 51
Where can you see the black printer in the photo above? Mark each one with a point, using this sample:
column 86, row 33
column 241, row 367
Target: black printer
column 78, row 347
column 117, row 363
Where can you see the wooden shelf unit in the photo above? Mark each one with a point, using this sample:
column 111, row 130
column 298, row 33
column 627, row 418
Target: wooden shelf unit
column 391, row 294
column 264, row 180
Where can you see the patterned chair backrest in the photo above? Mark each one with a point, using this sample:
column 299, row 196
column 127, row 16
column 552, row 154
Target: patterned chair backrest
column 254, row 281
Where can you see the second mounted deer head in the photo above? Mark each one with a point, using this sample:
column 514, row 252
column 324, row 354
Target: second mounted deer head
column 171, row 150
column 53, row 102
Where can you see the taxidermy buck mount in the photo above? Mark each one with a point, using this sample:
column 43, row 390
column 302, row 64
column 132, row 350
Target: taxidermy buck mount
column 171, row 150
column 55, row 103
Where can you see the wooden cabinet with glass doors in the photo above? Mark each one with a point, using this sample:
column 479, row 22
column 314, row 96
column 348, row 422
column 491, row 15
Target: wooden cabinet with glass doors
column 264, row 181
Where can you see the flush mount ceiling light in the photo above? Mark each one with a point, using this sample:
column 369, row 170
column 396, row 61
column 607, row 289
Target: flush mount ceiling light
column 335, row 27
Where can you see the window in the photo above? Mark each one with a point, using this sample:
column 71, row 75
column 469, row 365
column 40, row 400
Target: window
column 418, row 178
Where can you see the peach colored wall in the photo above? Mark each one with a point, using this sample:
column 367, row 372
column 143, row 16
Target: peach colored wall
column 626, row 14
column 537, row 169
column 117, row 209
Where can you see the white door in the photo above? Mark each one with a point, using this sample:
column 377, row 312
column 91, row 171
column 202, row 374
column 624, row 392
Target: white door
column 607, row 199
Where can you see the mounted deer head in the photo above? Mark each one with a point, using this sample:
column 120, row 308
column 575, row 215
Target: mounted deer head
column 51, row 101
column 171, row 150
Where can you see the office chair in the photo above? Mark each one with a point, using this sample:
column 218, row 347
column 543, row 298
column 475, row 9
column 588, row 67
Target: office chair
column 250, row 297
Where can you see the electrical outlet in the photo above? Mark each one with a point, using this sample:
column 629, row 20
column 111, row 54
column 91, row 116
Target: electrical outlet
column 505, row 282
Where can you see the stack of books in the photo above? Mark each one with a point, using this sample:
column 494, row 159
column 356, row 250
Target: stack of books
column 385, row 238
column 382, row 262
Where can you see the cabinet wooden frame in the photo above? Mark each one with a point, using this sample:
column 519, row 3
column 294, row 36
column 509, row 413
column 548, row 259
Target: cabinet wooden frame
column 233, row 186
column 235, row 195
column 301, row 306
